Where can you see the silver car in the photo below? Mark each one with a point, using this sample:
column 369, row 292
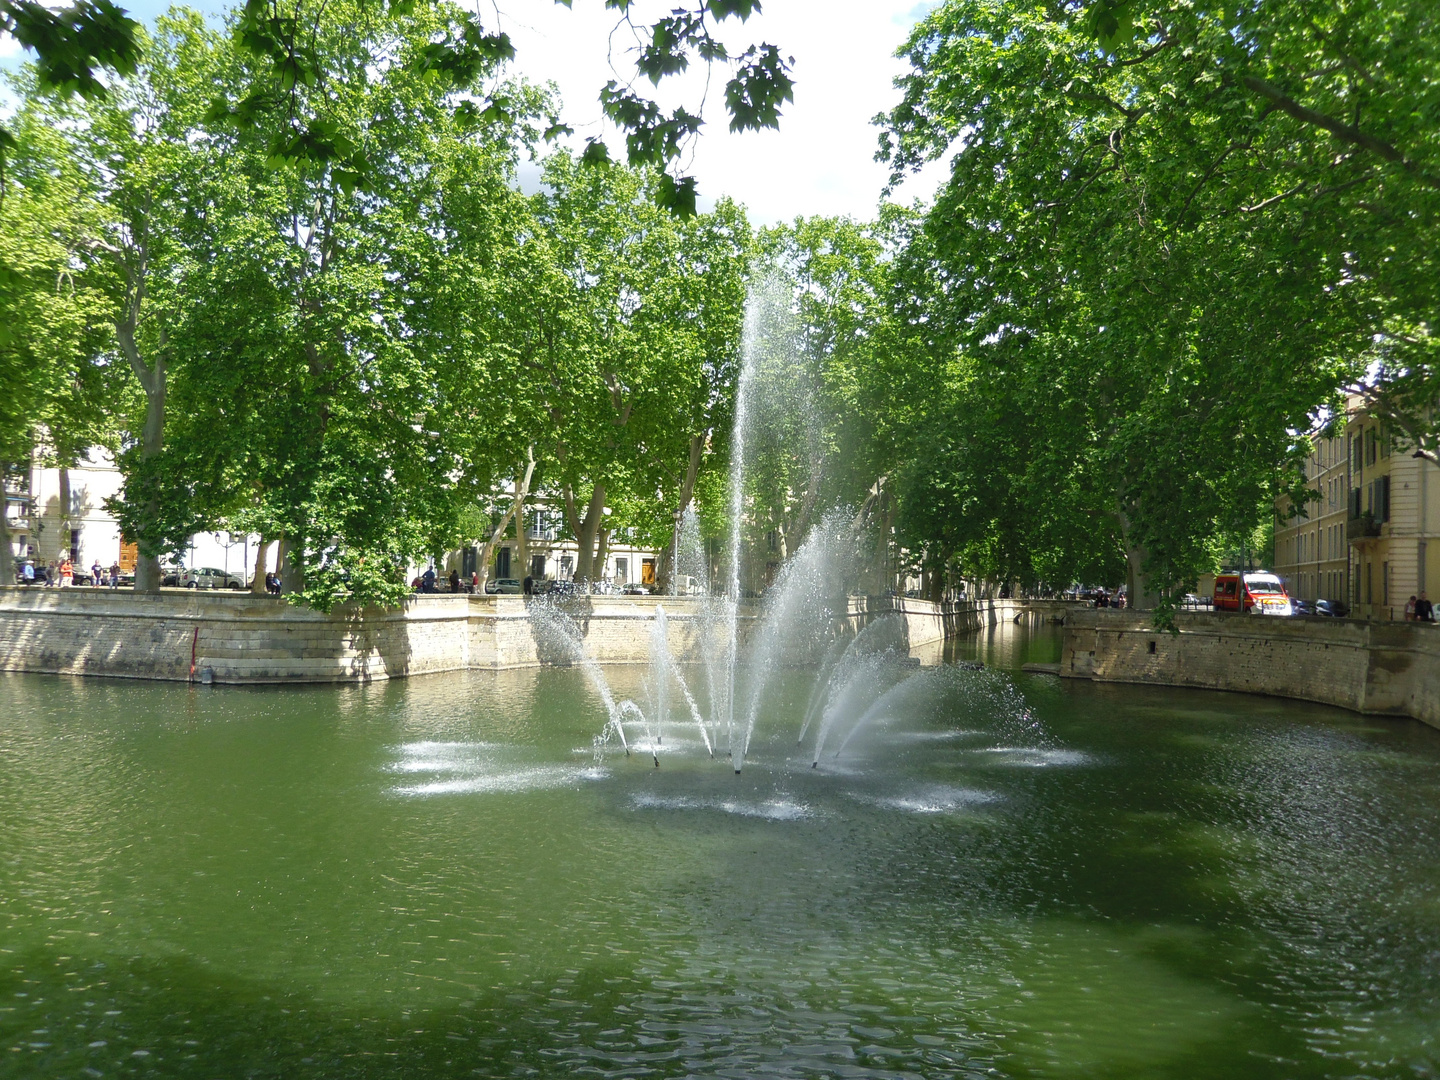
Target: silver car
column 207, row 577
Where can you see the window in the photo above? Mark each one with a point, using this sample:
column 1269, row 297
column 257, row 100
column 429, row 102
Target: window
column 75, row 545
column 1379, row 499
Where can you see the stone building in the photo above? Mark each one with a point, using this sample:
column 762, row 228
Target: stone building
column 1372, row 539
column 53, row 513
column 1312, row 554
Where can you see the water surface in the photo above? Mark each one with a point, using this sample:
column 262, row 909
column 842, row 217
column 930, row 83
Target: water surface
column 1003, row 875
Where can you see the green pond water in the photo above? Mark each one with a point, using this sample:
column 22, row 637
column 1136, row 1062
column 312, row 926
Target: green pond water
column 1002, row 875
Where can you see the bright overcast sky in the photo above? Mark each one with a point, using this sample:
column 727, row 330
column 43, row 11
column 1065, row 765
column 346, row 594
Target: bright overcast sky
column 821, row 161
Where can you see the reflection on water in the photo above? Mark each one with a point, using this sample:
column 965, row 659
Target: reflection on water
column 1000, row 875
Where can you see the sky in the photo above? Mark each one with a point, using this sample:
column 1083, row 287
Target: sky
column 820, row 161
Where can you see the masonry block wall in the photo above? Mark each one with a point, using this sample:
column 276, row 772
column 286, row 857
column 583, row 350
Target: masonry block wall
column 1381, row 668
column 236, row 637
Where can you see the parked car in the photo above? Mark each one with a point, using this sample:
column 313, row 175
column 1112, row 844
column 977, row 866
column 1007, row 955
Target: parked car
column 507, row 586
column 207, row 577
column 635, row 590
column 1301, row 607
column 1335, row 609
column 172, row 577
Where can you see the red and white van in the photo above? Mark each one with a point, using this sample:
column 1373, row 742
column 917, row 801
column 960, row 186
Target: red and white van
column 1261, row 593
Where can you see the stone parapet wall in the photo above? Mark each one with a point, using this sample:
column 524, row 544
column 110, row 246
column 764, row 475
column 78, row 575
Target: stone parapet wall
column 237, row 637
column 1381, row 668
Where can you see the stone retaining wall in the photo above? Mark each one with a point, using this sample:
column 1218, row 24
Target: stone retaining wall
column 1370, row 667
column 237, row 637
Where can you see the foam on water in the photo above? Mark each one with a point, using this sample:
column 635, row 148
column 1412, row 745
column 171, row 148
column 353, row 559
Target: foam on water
column 937, row 799
column 768, row 809
column 1033, row 758
column 478, row 768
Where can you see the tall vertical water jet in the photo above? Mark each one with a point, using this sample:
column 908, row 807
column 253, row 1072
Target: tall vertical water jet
column 737, row 512
column 659, row 670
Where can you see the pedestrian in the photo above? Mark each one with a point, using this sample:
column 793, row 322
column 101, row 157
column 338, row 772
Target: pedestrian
column 1424, row 609
column 95, row 573
column 454, row 581
column 52, row 574
column 427, row 580
column 67, row 574
column 475, row 581
column 529, row 585
column 114, row 575
column 1410, row 610
column 28, row 573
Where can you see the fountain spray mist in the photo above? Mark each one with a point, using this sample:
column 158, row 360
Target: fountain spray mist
column 753, row 329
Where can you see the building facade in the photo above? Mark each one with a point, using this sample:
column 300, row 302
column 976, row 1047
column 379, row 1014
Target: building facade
column 1372, row 539
column 53, row 513
column 56, row 513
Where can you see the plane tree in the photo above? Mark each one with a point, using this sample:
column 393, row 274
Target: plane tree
column 1118, row 284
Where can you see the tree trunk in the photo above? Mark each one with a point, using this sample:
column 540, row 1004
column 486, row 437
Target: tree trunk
column 257, row 584
column 292, row 573
column 64, row 525
column 585, row 530
column 665, row 568
column 1140, row 596
column 602, row 553
column 290, row 568
column 7, row 553
column 522, row 540
column 152, row 380
column 147, row 562
column 516, row 510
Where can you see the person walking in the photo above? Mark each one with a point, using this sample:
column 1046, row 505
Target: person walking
column 114, row 576
column 1424, row 609
column 427, row 580
column 27, row 573
column 454, row 581
column 52, row 574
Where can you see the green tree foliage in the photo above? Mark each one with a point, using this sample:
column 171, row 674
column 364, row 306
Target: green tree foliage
column 363, row 362
column 636, row 374
column 1152, row 262
column 53, row 322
